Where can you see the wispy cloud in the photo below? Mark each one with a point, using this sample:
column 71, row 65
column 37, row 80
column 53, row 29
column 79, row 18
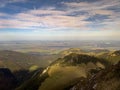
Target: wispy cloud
column 99, row 4
column 43, row 18
column 98, row 8
column 75, row 15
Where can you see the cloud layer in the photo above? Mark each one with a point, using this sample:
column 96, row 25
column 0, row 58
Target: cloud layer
column 74, row 15
column 64, row 15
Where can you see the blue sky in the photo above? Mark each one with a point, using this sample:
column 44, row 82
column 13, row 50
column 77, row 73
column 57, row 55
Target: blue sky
column 59, row 19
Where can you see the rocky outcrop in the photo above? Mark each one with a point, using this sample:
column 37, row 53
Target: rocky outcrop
column 108, row 79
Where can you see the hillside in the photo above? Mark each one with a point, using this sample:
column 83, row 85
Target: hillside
column 64, row 72
column 84, row 51
column 76, row 59
column 116, row 53
column 17, row 60
column 113, row 57
column 108, row 79
column 71, row 50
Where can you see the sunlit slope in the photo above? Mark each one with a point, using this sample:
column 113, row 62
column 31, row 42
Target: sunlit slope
column 65, row 72
column 113, row 57
column 84, row 51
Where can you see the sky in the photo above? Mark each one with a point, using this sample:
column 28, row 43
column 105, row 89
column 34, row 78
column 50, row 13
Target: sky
column 59, row 19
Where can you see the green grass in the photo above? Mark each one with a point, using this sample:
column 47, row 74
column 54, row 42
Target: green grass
column 60, row 77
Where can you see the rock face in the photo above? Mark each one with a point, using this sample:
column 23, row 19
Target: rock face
column 7, row 80
column 108, row 79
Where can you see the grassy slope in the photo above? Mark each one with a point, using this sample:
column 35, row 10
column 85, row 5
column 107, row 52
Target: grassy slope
column 113, row 57
column 61, row 77
column 64, row 73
